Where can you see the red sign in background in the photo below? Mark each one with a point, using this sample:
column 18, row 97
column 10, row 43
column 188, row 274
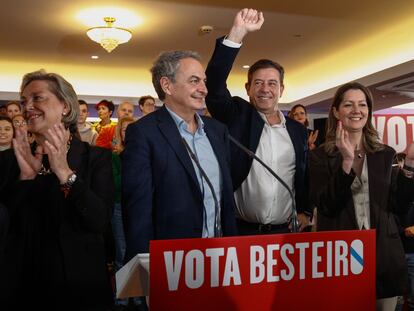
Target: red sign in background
column 305, row 271
column 396, row 131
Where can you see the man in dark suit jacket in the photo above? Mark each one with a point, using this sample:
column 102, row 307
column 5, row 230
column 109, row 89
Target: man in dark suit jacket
column 168, row 194
column 263, row 205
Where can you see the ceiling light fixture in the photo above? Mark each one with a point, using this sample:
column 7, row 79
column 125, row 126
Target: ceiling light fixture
column 109, row 37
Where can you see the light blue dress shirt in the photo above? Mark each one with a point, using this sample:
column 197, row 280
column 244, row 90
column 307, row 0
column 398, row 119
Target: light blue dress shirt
column 201, row 147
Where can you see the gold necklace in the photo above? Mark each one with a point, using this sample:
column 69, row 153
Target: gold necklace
column 47, row 171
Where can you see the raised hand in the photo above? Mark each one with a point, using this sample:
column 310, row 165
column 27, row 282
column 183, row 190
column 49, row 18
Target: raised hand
column 409, row 232
column 29, row 164
column 246, row 20
column 312, row 139
column 345, row 147
column 56, row 149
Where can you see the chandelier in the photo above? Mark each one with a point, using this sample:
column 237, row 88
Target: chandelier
column 109, row 37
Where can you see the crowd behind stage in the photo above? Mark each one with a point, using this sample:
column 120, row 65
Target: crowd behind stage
column 78, row 200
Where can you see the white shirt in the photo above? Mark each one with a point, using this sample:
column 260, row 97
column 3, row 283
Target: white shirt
column 360, row 196
column 261, row 198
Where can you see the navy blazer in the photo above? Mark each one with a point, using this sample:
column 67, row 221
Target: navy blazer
column 160, row 190
column 246, row 125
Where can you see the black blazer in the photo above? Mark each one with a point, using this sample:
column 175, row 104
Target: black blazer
column 389, row 192
column 160, row 190
column 54, row 249
column 246, row 125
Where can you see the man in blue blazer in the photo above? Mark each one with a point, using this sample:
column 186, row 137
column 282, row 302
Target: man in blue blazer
column 176, row 180
column 263, row 205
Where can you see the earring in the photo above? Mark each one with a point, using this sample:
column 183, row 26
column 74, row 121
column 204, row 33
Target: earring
column 63, row 113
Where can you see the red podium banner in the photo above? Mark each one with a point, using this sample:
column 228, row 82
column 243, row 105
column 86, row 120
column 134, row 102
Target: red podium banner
column 304, row 271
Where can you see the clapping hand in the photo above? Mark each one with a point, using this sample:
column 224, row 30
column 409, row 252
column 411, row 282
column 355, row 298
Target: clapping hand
column 246, row 20
column 312, row 139
column 29, row 164
column 56, row 148
column 345, row 147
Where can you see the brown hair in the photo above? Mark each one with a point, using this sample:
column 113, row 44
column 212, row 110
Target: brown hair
column 292, row 112
column 370, row 137
column 118, row 138
column 263, row 64
column 143, row 99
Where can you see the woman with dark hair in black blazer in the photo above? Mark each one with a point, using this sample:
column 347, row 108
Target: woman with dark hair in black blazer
column 355, row 187
column 58, row 195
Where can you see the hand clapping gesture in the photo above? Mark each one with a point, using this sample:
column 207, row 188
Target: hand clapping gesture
column 312, row 139
column 247, row 20
column 55, row 146
column 29, row 164
column 345, row 147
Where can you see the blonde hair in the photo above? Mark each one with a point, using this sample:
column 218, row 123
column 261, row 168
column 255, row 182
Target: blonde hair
column 62, row 89
column 120, row 143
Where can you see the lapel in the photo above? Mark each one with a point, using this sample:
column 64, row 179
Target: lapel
column 77, row 155
column 170, row 131
column 376, row 166
column 334, row 164
column 257, row 125
column 217, row 146
column 296, row 141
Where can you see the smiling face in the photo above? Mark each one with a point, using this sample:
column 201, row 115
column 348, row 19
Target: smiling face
column 6, row 133
column 189, row 90
column 265, row 89
column 42, row 109
column 12, row 110
column 299, row 115
column 353, row 111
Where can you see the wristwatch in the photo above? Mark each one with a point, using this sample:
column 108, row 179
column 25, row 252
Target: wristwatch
column 71, row 180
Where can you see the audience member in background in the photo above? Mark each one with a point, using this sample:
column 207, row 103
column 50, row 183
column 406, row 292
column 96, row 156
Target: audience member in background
column 146, row 105
column 299, row 113
column 166, row 193
column 20, row 122
column 13, row 108
column 59, row 196
column 3, row 111
column 355, row 187
column 118, row 218
column 86, row 131
column 105, row 110
column 406, row 222
column 6, row 133
column 264, row 206
column 106, row 137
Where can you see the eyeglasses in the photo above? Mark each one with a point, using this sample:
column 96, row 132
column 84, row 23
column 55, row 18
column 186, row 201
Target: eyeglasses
column 19, row 122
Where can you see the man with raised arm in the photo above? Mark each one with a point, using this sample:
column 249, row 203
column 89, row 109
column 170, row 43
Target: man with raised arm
column 263, row 204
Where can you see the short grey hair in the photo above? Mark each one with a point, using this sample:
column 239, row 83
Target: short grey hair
column 166, row 65
column 62, row 89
